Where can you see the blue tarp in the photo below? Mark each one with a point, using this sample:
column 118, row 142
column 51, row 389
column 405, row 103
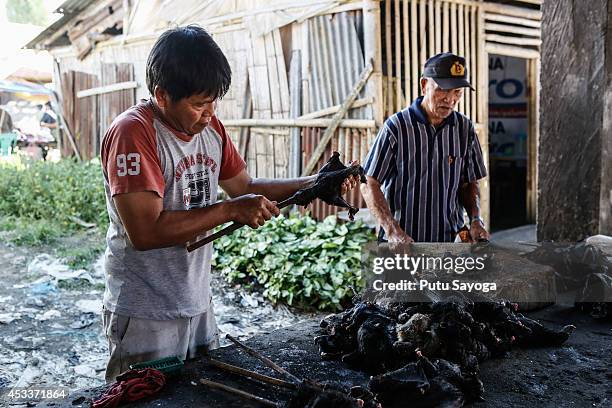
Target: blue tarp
column 21, row 87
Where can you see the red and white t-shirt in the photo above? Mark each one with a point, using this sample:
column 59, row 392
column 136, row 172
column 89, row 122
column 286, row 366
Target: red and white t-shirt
column 141, row 153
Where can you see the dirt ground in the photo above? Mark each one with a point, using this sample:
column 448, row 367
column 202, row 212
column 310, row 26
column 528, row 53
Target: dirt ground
column 51, row 331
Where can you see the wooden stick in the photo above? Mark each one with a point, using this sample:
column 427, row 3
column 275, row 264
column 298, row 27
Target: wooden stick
column 513, row 40
column 414, row 51
column 406, row 51
column 398, row 56
column 252, row 374
column 512, row 20
column 430, row 28
column 264, row 359
column 329, row 132
column 333, row 109
column 237, row 392
column 350, row 123
column 227, row 230
column 533, row 32
column 511, row 50
column 388, row 58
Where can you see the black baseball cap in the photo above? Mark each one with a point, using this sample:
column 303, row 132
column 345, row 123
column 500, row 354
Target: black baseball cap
column 448, row 70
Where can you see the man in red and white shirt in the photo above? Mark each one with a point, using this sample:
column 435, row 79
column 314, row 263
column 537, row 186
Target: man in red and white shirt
column 163, row 161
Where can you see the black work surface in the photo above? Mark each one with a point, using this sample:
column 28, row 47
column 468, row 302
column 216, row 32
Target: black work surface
column 579, row 374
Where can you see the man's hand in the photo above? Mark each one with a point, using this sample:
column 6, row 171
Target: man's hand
column 395, row 234
column 252, row 210
column 478, row 231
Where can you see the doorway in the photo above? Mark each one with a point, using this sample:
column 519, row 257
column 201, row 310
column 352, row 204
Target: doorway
column 512, row 139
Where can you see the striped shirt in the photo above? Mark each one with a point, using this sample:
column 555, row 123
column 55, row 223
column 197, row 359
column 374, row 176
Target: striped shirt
column 421, row 168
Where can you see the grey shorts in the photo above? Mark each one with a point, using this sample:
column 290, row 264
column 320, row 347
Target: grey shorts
column 132, row 340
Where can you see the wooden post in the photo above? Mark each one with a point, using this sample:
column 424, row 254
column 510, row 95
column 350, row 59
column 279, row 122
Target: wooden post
column 373, row 52
column 414, row 51
column 295, row 80
column 398, row 55
column 483, row 115
column 388, row 58
column 533, row 136
column 430, row 28
column 407, row 72
column 438, row 27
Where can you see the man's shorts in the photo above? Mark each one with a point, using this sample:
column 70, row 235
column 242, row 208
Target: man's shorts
column 132, row 340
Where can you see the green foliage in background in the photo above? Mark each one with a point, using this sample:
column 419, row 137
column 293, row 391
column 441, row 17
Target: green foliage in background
column 297, row 260
column 41, row 200
column 26, row 12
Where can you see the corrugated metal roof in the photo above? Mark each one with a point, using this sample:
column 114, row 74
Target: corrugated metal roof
column 69, row 9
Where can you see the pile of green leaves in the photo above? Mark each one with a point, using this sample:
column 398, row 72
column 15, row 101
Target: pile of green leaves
column 297, row 260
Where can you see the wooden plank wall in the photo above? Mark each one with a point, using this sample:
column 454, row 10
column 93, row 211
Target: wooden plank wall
column 110, row 105
column 80, row 114
column 259, row 74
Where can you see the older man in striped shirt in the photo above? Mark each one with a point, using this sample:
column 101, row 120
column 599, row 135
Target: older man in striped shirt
column 424, row 166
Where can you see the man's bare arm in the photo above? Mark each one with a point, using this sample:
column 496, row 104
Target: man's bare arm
column 469, row 197
column 273, row 189
column 148, row 226
column 376, row 202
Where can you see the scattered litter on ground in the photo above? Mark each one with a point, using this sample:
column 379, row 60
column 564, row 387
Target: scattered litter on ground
column 89, row 305
column 52, row 336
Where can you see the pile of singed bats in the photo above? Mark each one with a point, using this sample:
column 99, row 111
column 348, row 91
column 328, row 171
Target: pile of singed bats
column 429, row 353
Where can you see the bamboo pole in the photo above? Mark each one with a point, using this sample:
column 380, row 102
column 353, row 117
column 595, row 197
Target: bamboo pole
column 422, row 33
column 329, row 131
column 373, row 51
column 407, row 71
column 511, row 11
column 438, row 26
column 333, row 109
column 388, row 50
column 513, row 40
column 533, row 32
column 453, row 27
column 483, row 117
column 352, row 123
column 348, row 148
column 474, row 62
column 445, row 33
column 398, row 56
column 468, row 59
column 512, row 51
column 413, row 48
column 430, row 28
column 461, row 46
column 512, row 20
column 295, row 81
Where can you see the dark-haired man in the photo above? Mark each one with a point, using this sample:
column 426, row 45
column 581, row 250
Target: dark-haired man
column 163, row 161
column 428, row 161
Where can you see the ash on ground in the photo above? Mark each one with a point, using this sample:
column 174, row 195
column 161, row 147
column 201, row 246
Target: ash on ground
column 51, row 327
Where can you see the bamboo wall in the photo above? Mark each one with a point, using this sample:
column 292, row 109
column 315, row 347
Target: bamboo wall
column 333, row 42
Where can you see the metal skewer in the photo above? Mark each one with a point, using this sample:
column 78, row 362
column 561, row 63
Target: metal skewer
column 229, row 229
column 235, row 391
column 247, row 373
column 265, row 360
